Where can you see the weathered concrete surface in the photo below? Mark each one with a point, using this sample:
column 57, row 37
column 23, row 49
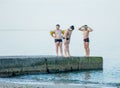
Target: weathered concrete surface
column 12, row 66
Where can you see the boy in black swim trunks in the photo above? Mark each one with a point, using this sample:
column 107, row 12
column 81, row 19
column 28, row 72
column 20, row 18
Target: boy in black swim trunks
column 58, row 39
column 66, row 37
column 85, row 29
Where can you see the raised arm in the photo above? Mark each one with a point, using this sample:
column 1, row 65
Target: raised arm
column 81, row 28
column 90, row 29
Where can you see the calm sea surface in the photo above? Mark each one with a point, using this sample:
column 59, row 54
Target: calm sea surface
column 109, row 76
column 37, row 43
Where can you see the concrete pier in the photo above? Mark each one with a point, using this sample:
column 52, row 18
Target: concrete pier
column 18, row 65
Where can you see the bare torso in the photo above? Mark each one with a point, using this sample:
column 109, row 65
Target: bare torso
column 85, row 34
column 58, row 34
column 67, row 36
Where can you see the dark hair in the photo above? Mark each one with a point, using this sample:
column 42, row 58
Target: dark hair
column 86, row 25
column 72, row 27
column 57, row 25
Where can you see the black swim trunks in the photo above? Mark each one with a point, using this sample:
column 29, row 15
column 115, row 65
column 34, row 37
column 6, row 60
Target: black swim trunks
column 58, row 40
column 86, row 40
column 66, row 38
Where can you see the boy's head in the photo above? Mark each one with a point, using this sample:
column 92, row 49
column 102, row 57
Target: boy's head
column 57, row 26
column 86, row 27
column 72, row 27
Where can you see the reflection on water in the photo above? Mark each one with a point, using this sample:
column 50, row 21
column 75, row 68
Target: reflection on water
column 87, row 75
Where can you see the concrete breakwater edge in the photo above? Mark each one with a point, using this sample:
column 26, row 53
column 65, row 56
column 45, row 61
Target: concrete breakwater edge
column 19, row 65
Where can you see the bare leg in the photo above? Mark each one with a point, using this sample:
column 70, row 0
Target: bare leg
column 57, row 45
column 65, row 49
column 61, row 51
column 87, row 50
column 68, row 50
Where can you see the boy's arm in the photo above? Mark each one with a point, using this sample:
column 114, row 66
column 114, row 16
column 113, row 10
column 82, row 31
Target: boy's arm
column 81, row 29
column 65, row 34
column 53, row 34
column 90, row 29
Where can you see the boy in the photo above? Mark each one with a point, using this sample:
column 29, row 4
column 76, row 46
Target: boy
column 66, row 37
column 86, row 30
column 58, row 39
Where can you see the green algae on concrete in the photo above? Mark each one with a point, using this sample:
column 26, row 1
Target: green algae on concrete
column 12, row 66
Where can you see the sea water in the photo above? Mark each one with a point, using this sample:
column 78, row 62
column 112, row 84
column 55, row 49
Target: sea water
column 108, row 77
column 40, row 43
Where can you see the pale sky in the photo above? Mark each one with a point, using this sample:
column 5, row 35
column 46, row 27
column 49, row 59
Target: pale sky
column 25, row 25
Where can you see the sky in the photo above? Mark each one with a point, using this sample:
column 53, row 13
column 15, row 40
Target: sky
column 25, row 26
